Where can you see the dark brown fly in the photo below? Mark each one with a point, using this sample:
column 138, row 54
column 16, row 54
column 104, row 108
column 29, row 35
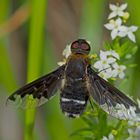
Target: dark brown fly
column 77, row 82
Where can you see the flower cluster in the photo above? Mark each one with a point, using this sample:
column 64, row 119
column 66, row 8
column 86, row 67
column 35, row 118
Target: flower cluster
column 107, row 65
column 133, row 124
column 116, row 19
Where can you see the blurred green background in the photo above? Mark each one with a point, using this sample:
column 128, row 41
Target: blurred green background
column 33, row 35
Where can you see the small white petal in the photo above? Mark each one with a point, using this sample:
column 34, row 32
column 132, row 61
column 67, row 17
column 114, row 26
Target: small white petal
column 121, row 75
column 112, row 14
column 108, row 53
column 123, row 28
column 111, row 137
column 132, row 111
column 118, row 21
column 105, row 65
column 137, row 131
column 123, row 6
column 109, row 26
column 104, row 75
column 115, row 65
column 103, row 55
column 114, row 73
column 118, row 70
column 111, row 60
column 101, row 66
column 130, row 131
column 113, row 7
column 122, row 31
column 115, row 54
column 109, row 70
column 98, row 65
column 104, row 138
column 131, row 123
column 133, row 28
column 108, row 74
column 114, row 34
column 120, row 13
column 122, row 34
column 122, row 67
column 131, row 36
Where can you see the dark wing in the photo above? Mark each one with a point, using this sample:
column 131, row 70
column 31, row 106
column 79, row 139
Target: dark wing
column 109, row 98
column 38, row 91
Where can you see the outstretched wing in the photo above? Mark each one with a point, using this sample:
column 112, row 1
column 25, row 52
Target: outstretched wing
column 38, row 91
column 109, row 98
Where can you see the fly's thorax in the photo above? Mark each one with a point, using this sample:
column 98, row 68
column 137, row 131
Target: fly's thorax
column 76, row 56
column 76, row 66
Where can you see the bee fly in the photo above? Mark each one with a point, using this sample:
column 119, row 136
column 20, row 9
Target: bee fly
column 77, row 82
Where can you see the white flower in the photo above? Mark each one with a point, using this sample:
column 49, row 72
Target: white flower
column 110, row 137
column 121, row 112
column 118, row 70
column 134, row 134
column 104, row 65
column 106, row 74
column 114, row 54
column 67, row 51
column 122, row 31
column 115, row 27
column 117, row 10
column 127, row 113
column 128, row 31
column 104, row 61
column 101, row 64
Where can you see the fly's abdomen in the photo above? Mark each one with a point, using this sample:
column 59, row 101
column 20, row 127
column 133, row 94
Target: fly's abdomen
column 74, row 98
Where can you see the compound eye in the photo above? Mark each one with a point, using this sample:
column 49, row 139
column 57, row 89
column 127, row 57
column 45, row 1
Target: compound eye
column 85, row 47
column 74, row 46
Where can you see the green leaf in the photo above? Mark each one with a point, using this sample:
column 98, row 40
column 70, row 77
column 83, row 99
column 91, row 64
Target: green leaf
column 134, row 50
column 132, row 65
column 107, row 46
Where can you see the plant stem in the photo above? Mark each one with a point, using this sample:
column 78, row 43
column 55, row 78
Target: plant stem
column 36, row 43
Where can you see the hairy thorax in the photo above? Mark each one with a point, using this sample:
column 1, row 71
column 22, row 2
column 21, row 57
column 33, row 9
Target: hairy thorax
column 77, row 66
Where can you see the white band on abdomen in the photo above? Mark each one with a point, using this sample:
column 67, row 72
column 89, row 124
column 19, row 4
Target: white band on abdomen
column 73, row 100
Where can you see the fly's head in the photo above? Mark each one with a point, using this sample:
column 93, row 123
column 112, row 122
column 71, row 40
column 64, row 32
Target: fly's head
column 80, row 46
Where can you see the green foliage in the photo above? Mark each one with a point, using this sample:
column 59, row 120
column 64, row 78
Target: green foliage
column 53, row 125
